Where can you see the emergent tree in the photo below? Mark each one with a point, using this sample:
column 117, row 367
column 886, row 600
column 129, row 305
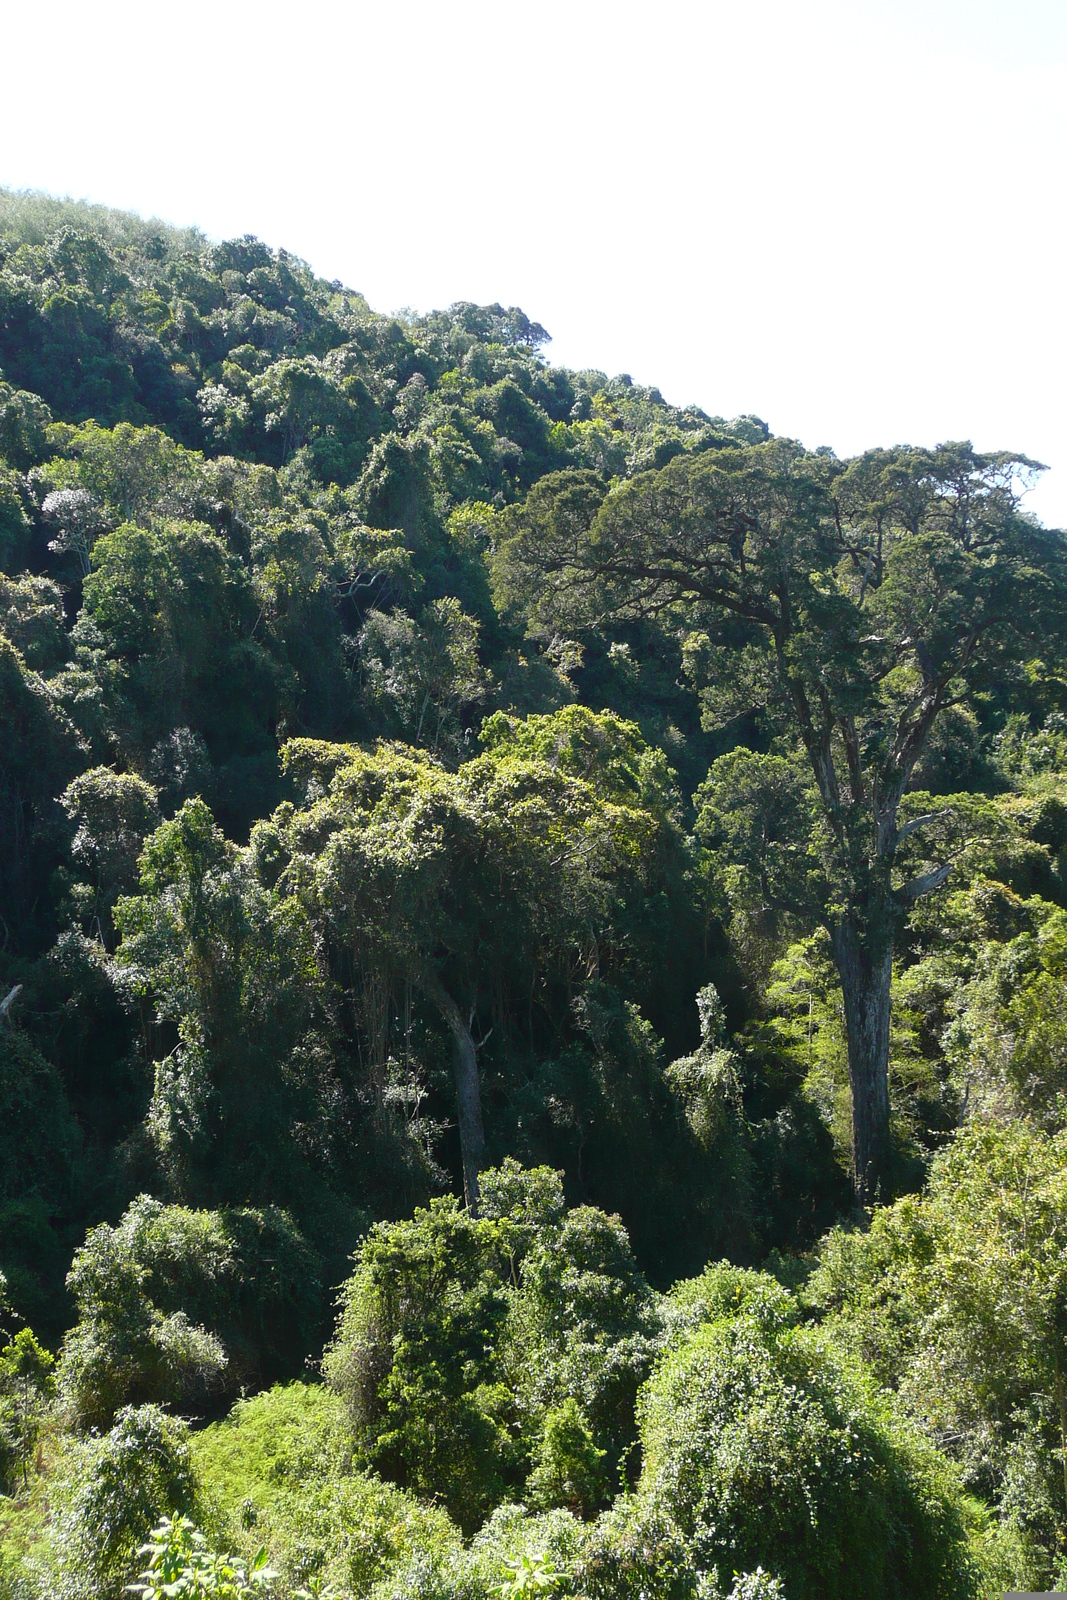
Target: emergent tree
column 849, row 604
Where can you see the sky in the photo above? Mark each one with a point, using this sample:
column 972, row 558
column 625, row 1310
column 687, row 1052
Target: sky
column 848, row 218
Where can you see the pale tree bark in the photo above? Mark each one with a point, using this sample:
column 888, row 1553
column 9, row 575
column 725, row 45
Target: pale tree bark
column 468, row 1088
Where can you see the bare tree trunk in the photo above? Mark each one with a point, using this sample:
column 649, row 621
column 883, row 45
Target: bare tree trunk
column 865, row 966
column 468, row 1089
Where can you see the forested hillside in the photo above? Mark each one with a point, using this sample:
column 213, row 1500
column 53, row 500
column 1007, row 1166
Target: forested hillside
column 582, row 879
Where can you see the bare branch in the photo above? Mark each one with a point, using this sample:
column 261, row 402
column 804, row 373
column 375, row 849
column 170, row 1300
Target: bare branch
column 920, row 822
column 925, row 884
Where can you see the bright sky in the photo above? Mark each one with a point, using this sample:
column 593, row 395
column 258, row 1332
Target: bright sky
column 847, row 217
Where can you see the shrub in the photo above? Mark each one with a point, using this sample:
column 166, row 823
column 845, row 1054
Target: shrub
column 569, row 1469
column 26, row 1387
column 181, row 1563
column 270, row 1443
column 115, row 1490
column 513, row 1555
column 279, row 1469
column 247, row 1278
column 770, row 1451
column 469, row 1348
column 414, row 1356
column 582, row 1327
column 123, row 1350
column 636, row 1551
column 723, row 1290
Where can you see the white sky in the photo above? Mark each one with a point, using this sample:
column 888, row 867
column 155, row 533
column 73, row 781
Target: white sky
column 848, row 218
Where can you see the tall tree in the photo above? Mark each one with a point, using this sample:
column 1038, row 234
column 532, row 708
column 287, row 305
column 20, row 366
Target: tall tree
column 851, row 603
column 459, row 885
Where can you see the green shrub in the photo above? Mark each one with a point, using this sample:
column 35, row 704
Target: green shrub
column 469, row 1350
column 414, row 1356
column 247, row 1274
column 270, row 1443
column 181, row 1307
column 583, row 1327
column 956, row 1299
column 636, row 1551
column 180, row 1562
column 115, row 1489
column 723, row 1290
column 569, row 1469
column 123, row 1349
column 27, row 1385
column 351, row 1532
column 513, row 1555
column 770, row 1451
column 278, row 1472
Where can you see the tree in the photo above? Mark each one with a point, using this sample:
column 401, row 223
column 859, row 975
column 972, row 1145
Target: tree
column 427, row 672
column 851, row 604
column 123, row 1350
column 24, row 420
column 958, row 1299
column 179, row 1306
column 114, row 812
column 113, row 1491
column 76, row 515
column 26, row 1387
column 172, row 616
column 224, row 971
column 31, row 614
column 768, row 1449
column 455, row 884
column 39, row 753
column 415, row 1355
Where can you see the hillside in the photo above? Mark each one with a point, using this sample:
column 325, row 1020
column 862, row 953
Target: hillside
column 480, row 816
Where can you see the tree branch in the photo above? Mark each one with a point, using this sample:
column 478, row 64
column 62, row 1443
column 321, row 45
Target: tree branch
column 925, row 884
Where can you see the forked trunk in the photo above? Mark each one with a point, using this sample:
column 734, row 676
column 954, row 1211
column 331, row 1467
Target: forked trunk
column 865, row 966
column 468, row 1090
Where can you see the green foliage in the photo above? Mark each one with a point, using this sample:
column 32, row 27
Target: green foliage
column 24, row 421
column 279, row 1470
column 956, row 1299
column 239, row 1002
column 171, row 615
column 114, row 813
column 268, row 1444
column 114, row 1490
column 27, row 1385
column 472, row 1353
column 42, row 1175
column 428, row 674
column 582, row 1329
column 1008, row 1041
column 39, row 753
column 32, row 617
column 180, row 1563
column 530, row 1575
column 182, row 1307
column 732, row 801
column 568, row 1466
column 414, row 1361
column 769, row 1451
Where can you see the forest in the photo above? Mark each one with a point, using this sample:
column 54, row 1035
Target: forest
column 533, row 966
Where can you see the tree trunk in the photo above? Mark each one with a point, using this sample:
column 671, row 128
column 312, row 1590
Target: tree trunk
column 865, row 966
column 468, row 1090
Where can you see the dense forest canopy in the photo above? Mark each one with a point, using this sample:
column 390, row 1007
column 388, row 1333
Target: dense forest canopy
column 587, row 876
